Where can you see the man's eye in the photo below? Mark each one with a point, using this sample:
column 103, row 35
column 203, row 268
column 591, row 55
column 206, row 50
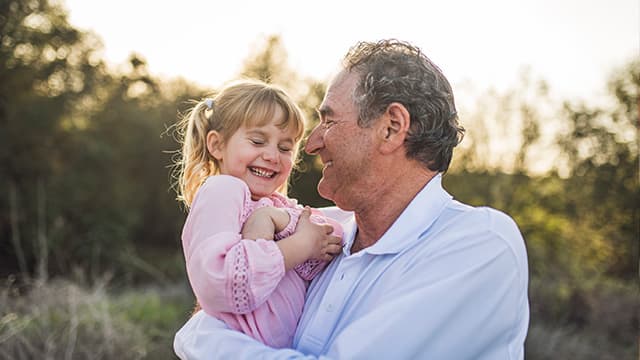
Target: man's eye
column 327, row 124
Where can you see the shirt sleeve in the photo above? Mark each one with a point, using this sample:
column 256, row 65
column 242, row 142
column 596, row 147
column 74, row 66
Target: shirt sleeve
column 204, row 337
column 226, row 272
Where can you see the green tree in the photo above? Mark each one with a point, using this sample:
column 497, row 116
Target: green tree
column 601, row 153
column 46, row 68
column 85, row 153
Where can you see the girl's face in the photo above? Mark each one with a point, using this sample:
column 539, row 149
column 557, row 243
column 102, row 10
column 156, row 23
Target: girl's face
column 262, row 156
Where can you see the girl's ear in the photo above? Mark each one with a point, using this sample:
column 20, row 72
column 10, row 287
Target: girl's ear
column 214, row 144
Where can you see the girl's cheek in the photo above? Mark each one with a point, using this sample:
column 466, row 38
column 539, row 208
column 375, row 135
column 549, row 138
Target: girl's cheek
column 289, row 167
column 286, row 159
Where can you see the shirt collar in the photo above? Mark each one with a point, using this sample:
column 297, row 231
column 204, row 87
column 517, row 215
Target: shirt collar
column 421, row 212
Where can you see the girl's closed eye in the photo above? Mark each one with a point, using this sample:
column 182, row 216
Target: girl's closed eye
column 256, row 141
column 286, row 145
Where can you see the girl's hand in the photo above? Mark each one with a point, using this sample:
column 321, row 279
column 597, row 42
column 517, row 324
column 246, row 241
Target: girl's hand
column 309, row 241
column 321, row 246
column 264, row 223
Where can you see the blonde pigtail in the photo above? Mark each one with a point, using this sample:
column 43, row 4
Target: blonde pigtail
column 196, row 164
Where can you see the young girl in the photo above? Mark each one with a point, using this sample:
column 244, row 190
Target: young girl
column 238, row 151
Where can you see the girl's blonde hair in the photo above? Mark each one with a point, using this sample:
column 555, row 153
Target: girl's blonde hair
column 241, row 103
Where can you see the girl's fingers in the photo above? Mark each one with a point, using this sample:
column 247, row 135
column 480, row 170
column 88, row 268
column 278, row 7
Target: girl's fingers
column 306, row 212
column 335, row 240
column 334, row 249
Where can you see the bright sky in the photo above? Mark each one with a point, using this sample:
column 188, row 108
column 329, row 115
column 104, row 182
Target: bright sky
column 573, row 44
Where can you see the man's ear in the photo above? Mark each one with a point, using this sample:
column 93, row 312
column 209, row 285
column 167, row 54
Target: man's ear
column 394, row 127
column 214, row 144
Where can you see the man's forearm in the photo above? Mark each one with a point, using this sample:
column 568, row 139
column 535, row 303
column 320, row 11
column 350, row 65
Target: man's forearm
column 204, row 337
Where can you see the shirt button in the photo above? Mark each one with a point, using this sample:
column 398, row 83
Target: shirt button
column 329, row 308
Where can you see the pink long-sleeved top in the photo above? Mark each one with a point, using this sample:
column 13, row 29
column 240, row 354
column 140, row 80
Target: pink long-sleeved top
column 240, row 281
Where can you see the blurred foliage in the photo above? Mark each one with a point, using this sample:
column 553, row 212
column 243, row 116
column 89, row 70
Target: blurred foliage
column 87, row 150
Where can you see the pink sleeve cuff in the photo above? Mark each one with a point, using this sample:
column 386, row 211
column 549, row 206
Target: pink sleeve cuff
column 310, row 268
column 294, row 215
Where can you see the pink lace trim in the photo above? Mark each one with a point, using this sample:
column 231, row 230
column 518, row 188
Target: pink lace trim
column 240, row 284
column 310, row 268
column 280, row 200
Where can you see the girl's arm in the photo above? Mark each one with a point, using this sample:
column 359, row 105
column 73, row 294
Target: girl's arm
column 303, row 240
column 309, row 241
column 226, row 272
column 265, row 222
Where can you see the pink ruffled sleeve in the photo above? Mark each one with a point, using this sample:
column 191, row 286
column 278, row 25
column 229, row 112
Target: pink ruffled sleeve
column 294, row 215
column 312, row 267
column 227, row 273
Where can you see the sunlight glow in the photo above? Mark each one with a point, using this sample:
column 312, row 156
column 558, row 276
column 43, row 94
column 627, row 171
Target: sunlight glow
column 572, row 44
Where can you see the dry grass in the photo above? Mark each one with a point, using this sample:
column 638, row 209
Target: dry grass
column 62, row 320
column 598, row 321
column 548, row 342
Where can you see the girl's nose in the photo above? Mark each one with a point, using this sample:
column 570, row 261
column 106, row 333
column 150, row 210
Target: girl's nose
column 270, row 154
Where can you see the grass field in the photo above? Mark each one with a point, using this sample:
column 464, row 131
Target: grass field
column 62, row 319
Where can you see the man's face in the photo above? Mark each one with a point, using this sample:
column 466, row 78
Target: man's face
column 344, row 148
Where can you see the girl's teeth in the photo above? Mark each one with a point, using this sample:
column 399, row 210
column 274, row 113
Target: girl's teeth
column 262, row 173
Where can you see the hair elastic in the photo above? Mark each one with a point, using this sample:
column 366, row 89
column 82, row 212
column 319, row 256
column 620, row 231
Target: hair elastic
column 209, row 103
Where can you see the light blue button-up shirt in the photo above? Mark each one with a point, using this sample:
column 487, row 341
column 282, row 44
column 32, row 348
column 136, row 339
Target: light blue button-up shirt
column 446, row 281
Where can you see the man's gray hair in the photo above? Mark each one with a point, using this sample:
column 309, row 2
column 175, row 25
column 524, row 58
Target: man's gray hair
column 395, row 71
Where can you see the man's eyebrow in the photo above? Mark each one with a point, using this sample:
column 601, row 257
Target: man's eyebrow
column 324, row 111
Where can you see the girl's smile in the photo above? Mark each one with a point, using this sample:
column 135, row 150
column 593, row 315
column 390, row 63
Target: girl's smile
column 262, row 156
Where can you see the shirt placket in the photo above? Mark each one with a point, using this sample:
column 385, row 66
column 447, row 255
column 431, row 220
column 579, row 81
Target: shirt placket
column 332, row 304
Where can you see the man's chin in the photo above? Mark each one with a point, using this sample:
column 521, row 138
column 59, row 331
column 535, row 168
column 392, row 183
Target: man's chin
column 324, row 191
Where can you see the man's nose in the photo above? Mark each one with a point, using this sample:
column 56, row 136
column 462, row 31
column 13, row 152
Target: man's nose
column 314, row 141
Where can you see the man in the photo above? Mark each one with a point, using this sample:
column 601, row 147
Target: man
column 421, row 275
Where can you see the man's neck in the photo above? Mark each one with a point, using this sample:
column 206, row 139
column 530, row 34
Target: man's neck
column 387, row 202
